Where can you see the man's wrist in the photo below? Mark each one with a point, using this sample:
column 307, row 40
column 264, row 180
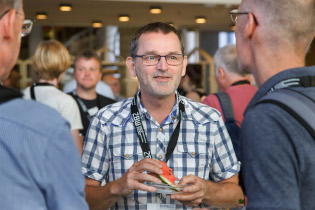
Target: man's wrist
column 114, row 188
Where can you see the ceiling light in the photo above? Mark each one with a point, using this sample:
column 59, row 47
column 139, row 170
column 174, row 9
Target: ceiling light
column 123, row 18
column 155, row 10
column 97, row 24
column 65, row 7
column 200, row 20
column 41, row 16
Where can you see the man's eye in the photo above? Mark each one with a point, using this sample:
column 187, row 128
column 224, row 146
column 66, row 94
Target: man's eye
column 151, row 57
column 172, row 57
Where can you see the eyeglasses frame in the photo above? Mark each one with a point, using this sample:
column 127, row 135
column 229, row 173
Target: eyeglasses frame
column 141, row 56
column 25, row 22
column 236, row 13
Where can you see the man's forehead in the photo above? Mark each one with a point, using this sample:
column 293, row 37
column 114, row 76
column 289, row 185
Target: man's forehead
column 148, row 38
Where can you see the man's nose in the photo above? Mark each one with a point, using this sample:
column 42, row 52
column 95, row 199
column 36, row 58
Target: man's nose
column 162, row 65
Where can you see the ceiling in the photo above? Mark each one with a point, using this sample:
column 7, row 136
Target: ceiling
column 179, row 12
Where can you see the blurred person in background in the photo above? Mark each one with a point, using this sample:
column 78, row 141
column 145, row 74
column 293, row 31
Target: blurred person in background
column 40, row 165
column 190, row 84
column 87, row 73
column 50, row 61
column 114, row 84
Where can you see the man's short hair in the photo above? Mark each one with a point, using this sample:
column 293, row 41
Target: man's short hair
column 226, row 58
column 51, row 59
column 87, row 54
column 153, row 27
column 6, row 4
column 287, row 21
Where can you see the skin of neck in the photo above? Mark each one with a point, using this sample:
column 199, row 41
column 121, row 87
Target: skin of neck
column 266, row 70
column 269, row 60
column 87, row 94
column 158, row 107
column 53, row 81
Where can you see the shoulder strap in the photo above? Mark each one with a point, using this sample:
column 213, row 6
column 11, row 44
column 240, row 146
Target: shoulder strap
column 298, row 105
column 226, row 105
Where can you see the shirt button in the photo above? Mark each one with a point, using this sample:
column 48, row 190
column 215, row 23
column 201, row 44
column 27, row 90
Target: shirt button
column 160, row 129
column 193, row 153
column 160, row 157
column 127, row 155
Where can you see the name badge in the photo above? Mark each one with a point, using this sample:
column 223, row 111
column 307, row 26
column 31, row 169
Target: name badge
column 93, row 111
column 157, row 206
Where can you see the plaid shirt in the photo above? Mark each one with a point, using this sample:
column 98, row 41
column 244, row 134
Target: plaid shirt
column 203, row 149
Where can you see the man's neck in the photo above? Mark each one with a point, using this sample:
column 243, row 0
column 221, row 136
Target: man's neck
column 87, row 94
column 158, row 107
column 53, row 82
column 269, row 62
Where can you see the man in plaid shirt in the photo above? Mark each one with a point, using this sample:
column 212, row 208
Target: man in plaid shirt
column 203, row 156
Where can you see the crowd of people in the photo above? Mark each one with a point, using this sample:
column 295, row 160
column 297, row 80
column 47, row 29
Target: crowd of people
column 87, row 147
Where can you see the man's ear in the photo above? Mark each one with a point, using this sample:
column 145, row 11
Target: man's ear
column 7, row 24
column 250, row 26
column 184, row 66
column 131, row 66
column 221, row 74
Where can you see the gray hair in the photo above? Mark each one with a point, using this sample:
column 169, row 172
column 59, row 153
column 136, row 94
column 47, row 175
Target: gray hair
column 285, row 21
column 15, row 4
column 226, row 58
column 153, row 27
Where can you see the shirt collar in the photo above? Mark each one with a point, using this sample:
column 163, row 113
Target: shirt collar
column 171, row 118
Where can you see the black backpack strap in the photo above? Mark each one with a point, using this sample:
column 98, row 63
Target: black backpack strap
column 298, row 105
column 226, row 105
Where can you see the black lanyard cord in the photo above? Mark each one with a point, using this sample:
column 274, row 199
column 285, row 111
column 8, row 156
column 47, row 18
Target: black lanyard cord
column 136, row 117
column 38, row 84
column 83, row 106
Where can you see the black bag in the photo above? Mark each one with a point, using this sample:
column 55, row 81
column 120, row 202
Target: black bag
column 298, row 105
column 230, row 122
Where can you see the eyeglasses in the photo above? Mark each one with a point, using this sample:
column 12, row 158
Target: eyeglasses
column 152, row 60
column 27, row 27
column 1, row 16
column 27, row 24
column 234, row 13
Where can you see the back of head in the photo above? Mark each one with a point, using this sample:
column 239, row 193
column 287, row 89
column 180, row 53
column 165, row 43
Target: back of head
column 226, row 58
column 8, row 4
column 288, row 22
column 51, row 59
column 153, row 27
column 87, row 54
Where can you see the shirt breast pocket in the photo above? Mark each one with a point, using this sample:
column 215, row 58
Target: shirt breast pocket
column 125, row 156
column 192, row 159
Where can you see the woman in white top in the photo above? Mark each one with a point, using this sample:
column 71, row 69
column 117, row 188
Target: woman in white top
column 50, row 61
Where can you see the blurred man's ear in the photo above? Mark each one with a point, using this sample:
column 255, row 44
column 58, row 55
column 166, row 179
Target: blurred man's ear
column 7, row 25
column 131, row 66
column 250, row 26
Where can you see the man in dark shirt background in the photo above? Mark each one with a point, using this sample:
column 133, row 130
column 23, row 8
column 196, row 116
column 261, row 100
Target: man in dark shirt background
column 87, row 73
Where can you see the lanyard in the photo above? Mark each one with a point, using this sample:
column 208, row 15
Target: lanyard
column 241, row 82
column 142, row 136
column 38, row 84
column 83, row 106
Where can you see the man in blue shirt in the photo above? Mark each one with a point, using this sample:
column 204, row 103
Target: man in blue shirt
column 115, row 150
column 277, row 152
column 39, row 162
